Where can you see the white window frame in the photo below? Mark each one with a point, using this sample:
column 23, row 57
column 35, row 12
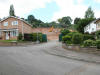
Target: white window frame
column 14, row 22
column 5, row 23
column 14, row 33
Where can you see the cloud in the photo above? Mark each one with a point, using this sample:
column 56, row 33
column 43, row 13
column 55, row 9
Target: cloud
column 22, row 7
column 69, row 8
column 98, row 1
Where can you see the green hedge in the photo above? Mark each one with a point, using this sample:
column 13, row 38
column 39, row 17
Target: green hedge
column 77, row 38
column 88, row 36
column 33, row 37
column 98, row 34
column 66, row 39
column 89, row 43
column 20, row 37
column 98, row 44
column 64, row 32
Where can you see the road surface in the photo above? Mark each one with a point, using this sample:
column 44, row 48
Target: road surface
column 33, row 60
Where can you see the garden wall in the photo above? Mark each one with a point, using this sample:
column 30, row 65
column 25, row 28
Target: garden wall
column 78, row 48
column 16, row 43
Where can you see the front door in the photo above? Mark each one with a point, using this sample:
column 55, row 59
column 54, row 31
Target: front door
column 7, row 35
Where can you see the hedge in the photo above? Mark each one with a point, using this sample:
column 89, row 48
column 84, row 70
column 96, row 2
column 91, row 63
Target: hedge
column 88, row 36
column 89, row 43
column 66, row 39
column 64, row 32
column 34, row 37
column 98, row 44
column 77, row 38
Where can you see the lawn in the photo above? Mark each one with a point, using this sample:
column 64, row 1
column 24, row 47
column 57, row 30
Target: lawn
column 8, row 40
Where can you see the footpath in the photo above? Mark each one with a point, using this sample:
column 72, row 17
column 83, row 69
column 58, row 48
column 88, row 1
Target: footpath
column 57, row 50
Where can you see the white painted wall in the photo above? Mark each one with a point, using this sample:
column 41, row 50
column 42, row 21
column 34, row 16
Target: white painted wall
column 90, row 28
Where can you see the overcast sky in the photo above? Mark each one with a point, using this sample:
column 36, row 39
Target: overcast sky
column 49, row 10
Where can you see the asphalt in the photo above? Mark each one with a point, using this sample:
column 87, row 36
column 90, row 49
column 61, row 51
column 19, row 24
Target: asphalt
column 36, row 60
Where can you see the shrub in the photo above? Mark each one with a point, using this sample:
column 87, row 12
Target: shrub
column 65, row 32
column 77, row 38
column 98, row 44
column 66, row 39
column 98, row 34
column 37, row 37
column 20, row 37
column 34, row 37
column 71, row 34
column 88, row 36
column 89, row 43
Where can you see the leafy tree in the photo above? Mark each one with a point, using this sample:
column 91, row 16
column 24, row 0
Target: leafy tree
column 31, row 19
column 65, row 21
column 82, row 23
column 11, row 12
column 76, row 20
column 89, row 13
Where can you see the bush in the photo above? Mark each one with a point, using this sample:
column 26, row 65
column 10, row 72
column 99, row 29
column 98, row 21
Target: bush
column 37, row 37
column 71, row 34
column 98, row 34
column 66, row 39
column 89, row 43
column 34, row 37
column 77, row 38
column 98, row 44
column 20, row 37
column 65, row 32
column 88, row 36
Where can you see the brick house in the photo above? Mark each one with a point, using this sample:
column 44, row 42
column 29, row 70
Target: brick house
column 11, row 26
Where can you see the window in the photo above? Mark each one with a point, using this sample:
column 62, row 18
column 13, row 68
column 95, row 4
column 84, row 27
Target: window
column 5, row 23
column 92, row 29
column 13, row 33
column 15, row 23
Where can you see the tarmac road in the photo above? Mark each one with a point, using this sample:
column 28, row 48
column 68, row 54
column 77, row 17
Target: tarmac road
column 33, row 60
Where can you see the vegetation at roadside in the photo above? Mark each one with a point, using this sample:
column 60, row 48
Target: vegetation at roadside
column 84, row 40
column 33, row 37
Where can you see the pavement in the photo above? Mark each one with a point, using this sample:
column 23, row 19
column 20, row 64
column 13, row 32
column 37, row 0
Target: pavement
column 37, row 60
column 81, row 56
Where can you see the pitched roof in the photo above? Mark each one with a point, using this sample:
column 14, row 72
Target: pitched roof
column 16, row 18
column 97, row 20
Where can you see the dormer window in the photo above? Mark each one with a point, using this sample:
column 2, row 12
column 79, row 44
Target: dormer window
column 14, row 22
column 5, row 24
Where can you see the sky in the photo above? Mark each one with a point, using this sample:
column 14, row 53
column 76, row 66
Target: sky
column 49, row 10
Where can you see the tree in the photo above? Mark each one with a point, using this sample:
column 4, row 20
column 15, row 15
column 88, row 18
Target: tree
column 76, row 20
column 11, row 12
column 65, row 21
column 82, row 23
column 89, row 13
column 31, row 19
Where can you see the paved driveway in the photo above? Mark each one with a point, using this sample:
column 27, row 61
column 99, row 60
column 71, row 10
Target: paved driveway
column 33, row 60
